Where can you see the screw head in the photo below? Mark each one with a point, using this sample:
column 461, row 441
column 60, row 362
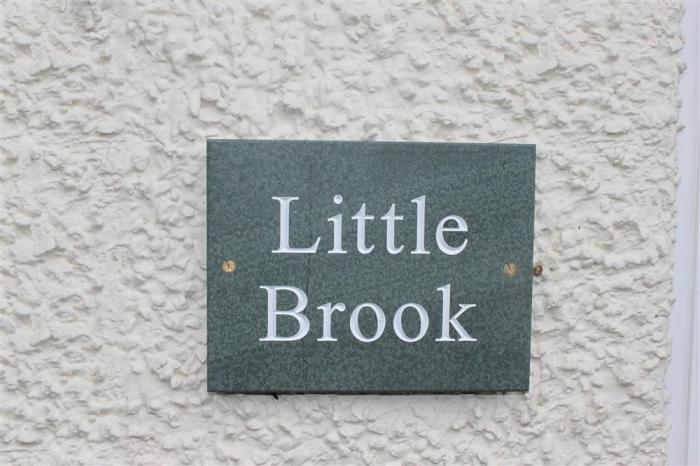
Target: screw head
column 510, row 269
column 537, row 270
column 228, row 266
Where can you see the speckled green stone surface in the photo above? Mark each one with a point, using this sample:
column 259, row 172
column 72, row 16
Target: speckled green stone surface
column 490, row 185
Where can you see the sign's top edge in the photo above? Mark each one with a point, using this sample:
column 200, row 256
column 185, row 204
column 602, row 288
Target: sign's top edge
column 501, row 144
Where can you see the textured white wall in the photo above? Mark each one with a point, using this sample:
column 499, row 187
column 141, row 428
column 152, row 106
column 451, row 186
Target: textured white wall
column 105, row 108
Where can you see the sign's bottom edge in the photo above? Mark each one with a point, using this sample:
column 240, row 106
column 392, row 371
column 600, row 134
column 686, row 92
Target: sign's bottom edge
column 368, row 392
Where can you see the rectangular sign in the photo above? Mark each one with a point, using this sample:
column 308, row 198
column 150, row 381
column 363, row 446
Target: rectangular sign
column 369, row 267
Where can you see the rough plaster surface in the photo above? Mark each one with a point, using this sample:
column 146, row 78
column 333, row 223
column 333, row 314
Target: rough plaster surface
column 105, row 108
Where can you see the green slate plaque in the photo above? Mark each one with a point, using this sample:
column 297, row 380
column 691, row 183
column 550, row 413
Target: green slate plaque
column 368, row 267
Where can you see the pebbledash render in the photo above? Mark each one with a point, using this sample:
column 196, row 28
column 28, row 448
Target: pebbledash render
column 106, row 109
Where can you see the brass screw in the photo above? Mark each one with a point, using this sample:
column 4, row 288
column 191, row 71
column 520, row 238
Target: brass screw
column 228, row 266
column 538, row 269
column 510, row 269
